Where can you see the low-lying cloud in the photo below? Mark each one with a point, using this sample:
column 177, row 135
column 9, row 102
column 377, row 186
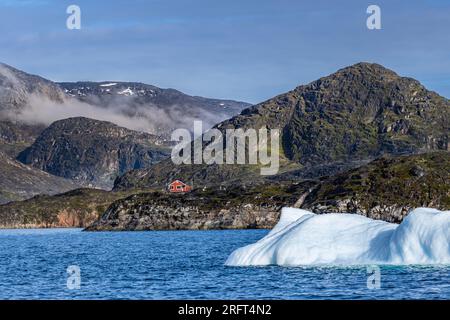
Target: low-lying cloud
column 144, row 117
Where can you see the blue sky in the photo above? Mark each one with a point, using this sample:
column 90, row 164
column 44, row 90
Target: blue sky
column 248, row 50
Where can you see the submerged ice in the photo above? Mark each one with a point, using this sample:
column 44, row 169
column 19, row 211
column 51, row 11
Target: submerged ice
column 304, row 238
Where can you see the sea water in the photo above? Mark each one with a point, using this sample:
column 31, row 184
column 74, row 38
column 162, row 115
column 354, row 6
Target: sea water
column 34, row 264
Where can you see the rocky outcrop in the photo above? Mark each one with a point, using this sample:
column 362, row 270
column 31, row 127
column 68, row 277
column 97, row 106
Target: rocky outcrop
column 235, row 208
column 191, row 216
column 387, row 188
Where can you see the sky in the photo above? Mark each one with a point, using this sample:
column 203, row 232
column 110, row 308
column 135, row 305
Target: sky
column 249, row 50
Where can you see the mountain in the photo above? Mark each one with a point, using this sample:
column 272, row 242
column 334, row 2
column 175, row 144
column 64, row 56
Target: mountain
column 92, row 152
column 365, row 111
column 18, row 182
column 384, row 189
column 337, row 122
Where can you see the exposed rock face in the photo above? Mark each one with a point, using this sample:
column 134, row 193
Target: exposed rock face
column 18, row 182
column 354, row 115
column 387, row 188
column 92, row 152
column 125, row 216
column 211, row 209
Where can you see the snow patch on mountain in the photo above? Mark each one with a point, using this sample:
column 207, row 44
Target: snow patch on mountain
column 108, row 84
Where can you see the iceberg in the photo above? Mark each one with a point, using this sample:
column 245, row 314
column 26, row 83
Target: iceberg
column 304, row 238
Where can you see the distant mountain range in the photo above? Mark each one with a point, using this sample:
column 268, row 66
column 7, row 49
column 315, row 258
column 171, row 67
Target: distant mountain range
column 159, row 110
column 147, row 101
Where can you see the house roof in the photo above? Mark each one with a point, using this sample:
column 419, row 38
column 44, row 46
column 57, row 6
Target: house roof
column 177, row 181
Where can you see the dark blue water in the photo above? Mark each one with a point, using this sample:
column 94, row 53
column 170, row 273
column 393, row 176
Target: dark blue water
column 184, row 265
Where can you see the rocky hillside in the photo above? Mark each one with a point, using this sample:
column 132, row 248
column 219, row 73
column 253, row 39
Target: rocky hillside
column 18, row 182
column 386, row 188
column 365, row 111
column 354, row 115
column 92, row 152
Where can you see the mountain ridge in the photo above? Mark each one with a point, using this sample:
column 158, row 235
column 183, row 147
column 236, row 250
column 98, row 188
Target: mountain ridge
column 355, row 114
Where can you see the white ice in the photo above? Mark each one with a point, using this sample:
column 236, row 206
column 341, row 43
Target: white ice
column 304, row 238
column 108, row 84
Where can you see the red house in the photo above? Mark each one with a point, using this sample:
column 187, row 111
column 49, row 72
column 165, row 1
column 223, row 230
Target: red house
column 179, row 186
